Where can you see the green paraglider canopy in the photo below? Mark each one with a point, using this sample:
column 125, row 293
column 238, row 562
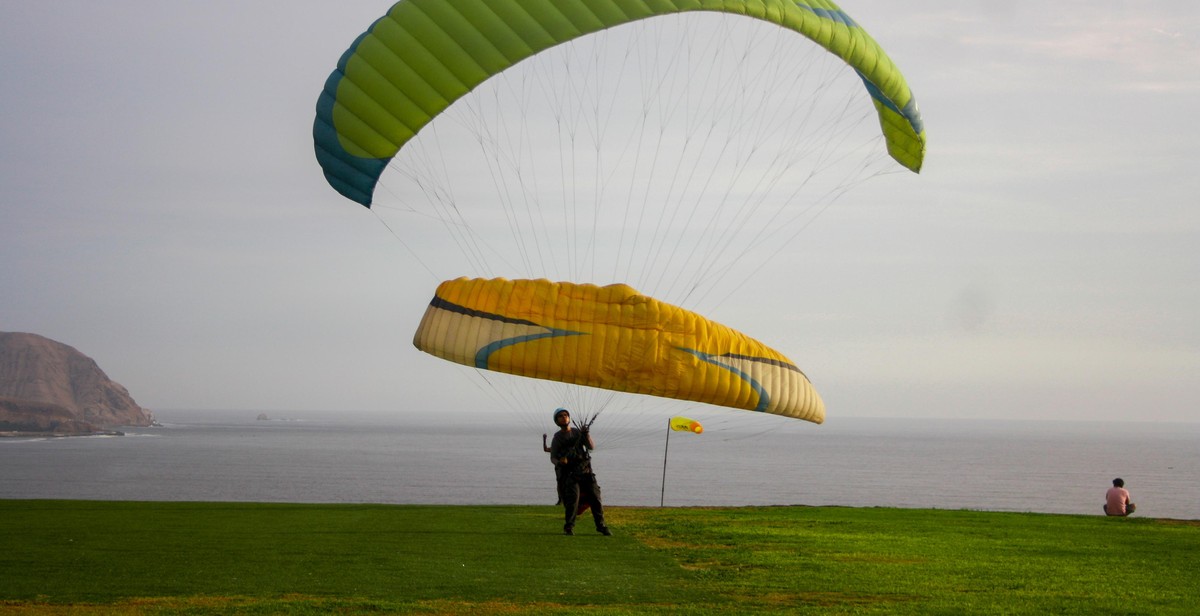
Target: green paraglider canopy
column 423, row 55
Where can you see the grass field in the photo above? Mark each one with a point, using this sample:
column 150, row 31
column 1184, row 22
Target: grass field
column 137, row 557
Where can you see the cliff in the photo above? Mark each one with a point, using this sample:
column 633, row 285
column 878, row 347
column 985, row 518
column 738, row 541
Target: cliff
column 47, row 386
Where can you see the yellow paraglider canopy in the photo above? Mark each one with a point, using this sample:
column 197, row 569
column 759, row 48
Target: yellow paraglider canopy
column 613, row 338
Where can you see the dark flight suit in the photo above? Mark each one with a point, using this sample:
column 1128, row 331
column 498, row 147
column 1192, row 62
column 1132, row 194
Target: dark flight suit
column 577, row 483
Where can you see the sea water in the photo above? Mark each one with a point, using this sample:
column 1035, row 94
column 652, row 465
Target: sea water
column 438, row 458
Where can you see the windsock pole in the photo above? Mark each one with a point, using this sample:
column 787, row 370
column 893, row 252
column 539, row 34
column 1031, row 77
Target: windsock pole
column 663, row 495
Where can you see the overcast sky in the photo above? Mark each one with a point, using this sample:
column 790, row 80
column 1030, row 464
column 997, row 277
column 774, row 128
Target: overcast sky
column 162, row 212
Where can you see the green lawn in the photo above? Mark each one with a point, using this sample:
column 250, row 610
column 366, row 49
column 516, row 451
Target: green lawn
column 135, row 557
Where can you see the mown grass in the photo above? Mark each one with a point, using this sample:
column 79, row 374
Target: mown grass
column 133, row 557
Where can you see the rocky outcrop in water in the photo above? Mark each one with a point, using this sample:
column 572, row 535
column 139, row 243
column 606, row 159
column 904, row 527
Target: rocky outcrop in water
column 49, row 387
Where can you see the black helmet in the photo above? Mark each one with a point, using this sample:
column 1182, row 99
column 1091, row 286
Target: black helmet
column 560, row 411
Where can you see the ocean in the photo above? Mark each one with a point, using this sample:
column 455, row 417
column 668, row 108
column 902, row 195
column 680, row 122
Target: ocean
column 489, row 458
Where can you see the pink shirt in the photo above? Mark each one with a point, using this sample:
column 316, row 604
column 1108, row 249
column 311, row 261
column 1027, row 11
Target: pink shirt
column 1116, row 498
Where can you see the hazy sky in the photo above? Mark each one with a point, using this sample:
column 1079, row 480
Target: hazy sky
column 161, row 211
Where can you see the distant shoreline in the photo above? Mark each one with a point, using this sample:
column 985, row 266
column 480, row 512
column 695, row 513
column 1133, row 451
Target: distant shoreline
column 22, row 434
column 58, row 435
